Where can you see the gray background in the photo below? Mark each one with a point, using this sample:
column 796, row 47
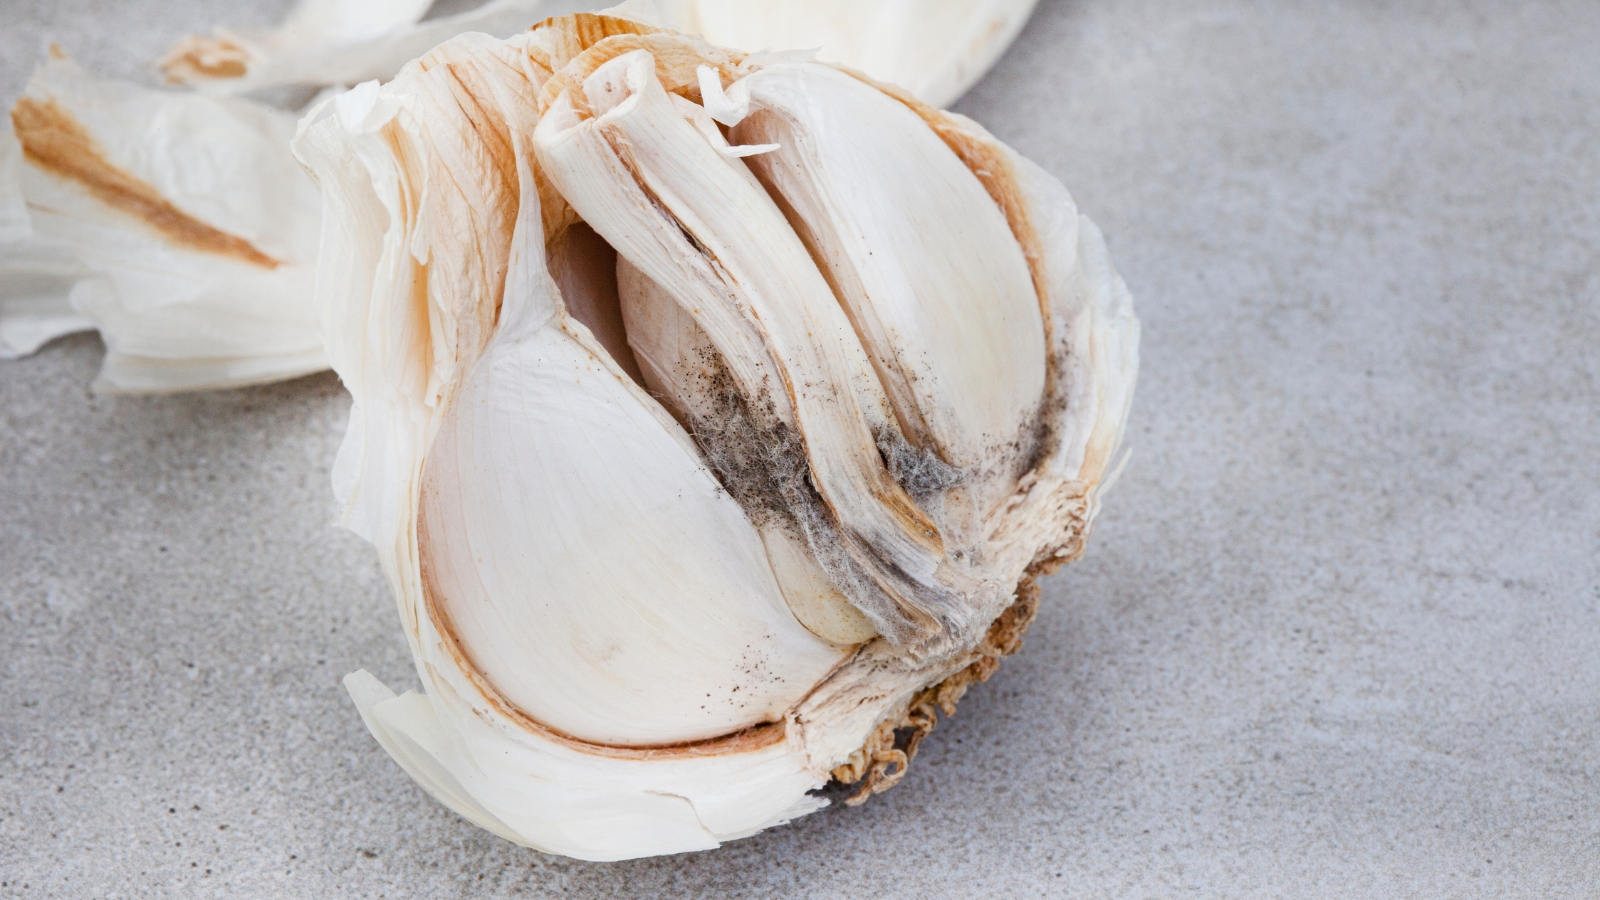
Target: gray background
column 1337, row 635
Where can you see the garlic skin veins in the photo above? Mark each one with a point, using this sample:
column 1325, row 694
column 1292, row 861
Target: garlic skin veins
column 668, row 548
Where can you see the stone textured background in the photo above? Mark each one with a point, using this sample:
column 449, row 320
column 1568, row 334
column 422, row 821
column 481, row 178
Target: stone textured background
column 1337, row 635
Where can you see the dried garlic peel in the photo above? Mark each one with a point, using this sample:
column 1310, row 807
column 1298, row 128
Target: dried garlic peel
column 181, row 226
column 692, row 483
column 935, row 50
column 36, row 275
column 334, row 42
column 121, row 257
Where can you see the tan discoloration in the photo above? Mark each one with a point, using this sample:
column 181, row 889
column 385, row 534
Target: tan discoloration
column 569, row 37
column 56, row 142
column 200, row 58
column 573, row 34
column 678, row 59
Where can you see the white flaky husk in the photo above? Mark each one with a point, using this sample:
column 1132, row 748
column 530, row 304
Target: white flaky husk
column 36, row 275
column 935, row 50
column 615, row 657
column 178, row 225
column 334, row 42
column 221, row 299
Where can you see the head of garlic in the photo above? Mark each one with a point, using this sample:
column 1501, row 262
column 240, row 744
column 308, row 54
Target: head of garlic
column 713, row 414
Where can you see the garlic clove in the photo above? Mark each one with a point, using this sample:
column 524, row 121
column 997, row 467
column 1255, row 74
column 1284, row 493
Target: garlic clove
column 812, row 597
column 602, row 582
column 933, row 279
column 678, row 362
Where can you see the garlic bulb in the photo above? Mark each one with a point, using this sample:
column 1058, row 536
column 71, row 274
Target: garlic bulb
column 713, row 414
column 181, row 226
column 934, row 50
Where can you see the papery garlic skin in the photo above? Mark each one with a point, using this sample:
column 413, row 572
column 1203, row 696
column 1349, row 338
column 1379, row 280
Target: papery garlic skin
column 36, row 275
column 335, row 42
column 194, row 229
column 935, row 50
column 231, row 54
column 588, row 589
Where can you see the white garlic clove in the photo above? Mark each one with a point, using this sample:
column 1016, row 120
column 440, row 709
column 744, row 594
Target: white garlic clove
column 602, row 581
column 933, row 279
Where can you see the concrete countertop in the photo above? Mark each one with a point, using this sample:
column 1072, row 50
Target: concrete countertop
column 1337, row 633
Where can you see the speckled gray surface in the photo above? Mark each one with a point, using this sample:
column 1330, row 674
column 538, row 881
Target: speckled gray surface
column 1337, row 635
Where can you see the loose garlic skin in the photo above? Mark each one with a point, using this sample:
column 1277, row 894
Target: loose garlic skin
column 695, row 466
column 191, row 246
column 935, row 50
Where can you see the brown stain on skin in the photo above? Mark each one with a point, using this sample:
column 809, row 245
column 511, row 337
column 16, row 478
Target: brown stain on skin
column 56, row 142
column 197, row 56
column 571, row 35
